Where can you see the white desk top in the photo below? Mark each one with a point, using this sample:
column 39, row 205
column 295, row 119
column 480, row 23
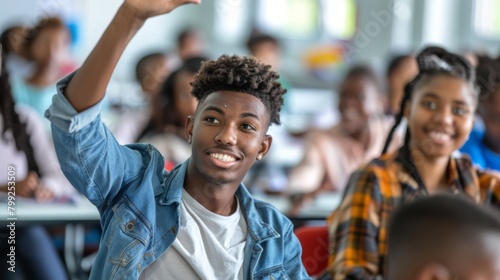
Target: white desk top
column 29, row 211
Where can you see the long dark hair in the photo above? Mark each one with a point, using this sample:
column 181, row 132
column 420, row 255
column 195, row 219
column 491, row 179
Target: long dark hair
column 11, row 120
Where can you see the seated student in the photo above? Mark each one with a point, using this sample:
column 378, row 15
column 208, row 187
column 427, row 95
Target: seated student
column 444, row 237
column 331, row 156
column 150, row 72
column 24, row 146
column 177, row 104
column 189, row 44
column 483, row 145
column 47, row 47
column 197, row 221
column 439, row 107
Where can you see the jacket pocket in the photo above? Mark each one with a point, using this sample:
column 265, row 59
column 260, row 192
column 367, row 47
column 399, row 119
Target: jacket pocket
column 273, row 273
column 130, row 234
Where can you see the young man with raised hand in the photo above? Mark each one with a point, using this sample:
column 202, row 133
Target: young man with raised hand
column 198, row 221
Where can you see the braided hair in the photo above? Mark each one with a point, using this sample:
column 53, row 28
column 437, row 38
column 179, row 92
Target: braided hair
column 432, row 61
column 11, row 120
column 241, row 74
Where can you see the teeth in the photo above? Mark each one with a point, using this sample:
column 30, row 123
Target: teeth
column 440, row 136
column 222, row 157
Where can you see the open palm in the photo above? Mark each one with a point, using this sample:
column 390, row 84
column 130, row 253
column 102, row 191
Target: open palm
column 150, row 8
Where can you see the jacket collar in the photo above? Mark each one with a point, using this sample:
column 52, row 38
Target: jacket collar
column 257, row 229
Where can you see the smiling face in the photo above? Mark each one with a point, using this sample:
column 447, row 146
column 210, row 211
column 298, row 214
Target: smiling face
column 440, row 115
column 228, row 134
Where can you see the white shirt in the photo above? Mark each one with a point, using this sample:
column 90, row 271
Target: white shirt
column 208, row 246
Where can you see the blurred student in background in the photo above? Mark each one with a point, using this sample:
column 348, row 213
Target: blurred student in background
column 15, row 55
column 145, row 116
column 177, row 104
column 190, row 44
column 444, row 237
column 331, row 155
column 483, row 145
column 439, row 106
column 47, row 47
column 25, row 146
column 401, row 70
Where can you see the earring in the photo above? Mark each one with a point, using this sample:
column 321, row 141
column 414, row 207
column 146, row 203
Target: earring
column 189, row 140
column 259, row 157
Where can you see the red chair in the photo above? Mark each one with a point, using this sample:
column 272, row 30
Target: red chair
column 314, row 242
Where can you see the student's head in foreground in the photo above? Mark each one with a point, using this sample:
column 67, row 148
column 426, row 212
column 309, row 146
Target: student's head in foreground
column 238, row 99
column 438, row 104
column 444, row 237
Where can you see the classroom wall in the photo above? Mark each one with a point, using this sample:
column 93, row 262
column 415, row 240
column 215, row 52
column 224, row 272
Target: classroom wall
column 385, row 27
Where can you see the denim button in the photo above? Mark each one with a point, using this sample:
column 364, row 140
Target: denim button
column 130, row 226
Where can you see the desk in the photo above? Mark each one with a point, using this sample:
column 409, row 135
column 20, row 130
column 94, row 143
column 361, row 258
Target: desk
column 72, row 215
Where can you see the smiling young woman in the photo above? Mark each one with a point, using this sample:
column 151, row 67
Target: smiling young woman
column 438, row 105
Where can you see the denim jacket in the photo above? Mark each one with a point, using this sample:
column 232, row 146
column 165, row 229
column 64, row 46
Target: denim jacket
column 139, row 202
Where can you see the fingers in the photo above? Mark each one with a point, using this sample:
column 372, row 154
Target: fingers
column 43, row 194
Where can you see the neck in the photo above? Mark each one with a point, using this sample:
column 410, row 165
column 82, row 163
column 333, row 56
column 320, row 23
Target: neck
column 432, row 170
column 217, row 198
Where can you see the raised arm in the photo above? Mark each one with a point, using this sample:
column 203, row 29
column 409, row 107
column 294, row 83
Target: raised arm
column 89, row 84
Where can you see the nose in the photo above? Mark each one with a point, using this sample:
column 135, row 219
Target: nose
column 226, row 135
column 444, row 116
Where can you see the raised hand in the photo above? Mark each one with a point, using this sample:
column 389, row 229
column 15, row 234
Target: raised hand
column 149, row 8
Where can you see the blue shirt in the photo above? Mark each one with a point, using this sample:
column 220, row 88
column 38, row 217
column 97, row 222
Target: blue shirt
column 479, row 153
column 139, row 201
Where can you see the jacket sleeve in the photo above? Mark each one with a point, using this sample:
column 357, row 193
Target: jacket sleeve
column 354, row 232
column 90, row 157
column 293, row 257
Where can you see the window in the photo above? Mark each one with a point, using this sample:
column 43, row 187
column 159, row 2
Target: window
column 487, row 18
column 307, row 19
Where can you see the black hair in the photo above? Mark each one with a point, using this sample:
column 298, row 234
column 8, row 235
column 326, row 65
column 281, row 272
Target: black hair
column 167, row 92
column 10, row 117
column 257, row 38
column 488, row 76
column 436, row 227
column 396, row 62
column 241, row 74
column 184, row 34
column 8, row 36
column 142, row 64
column 365, row 72
column 432, row 61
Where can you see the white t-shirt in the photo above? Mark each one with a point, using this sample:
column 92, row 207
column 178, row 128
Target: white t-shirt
column 208, row 246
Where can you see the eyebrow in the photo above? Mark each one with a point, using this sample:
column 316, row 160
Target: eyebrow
column 220, row 111
column 435, row 96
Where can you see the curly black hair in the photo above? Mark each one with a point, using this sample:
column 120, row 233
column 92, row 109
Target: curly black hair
column 241, row 74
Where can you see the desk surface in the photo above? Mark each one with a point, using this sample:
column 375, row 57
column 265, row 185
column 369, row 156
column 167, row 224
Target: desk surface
column 28, row 211
column 84, row 211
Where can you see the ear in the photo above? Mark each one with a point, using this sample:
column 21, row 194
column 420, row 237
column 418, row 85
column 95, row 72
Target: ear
column 265, row 146
column 189, row 128
column 434, row 271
